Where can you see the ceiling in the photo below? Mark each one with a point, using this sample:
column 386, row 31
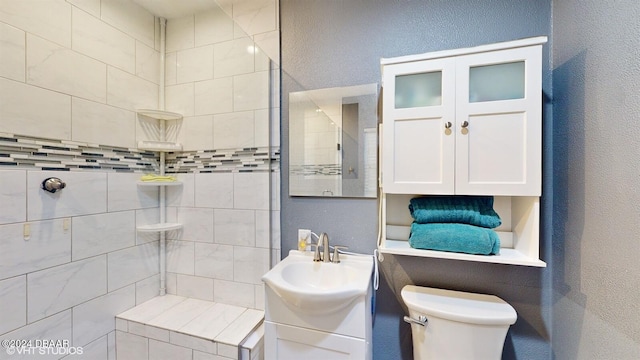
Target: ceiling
column 170, row 9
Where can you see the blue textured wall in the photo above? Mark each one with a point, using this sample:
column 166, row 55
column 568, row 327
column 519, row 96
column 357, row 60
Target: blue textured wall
column 327, row 43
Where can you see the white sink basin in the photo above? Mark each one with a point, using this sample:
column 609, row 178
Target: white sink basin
column 319, row 287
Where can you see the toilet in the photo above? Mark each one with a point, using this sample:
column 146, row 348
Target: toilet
column 447, row 324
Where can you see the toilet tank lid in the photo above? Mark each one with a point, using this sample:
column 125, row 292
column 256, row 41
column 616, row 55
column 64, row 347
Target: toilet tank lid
column 459, row 306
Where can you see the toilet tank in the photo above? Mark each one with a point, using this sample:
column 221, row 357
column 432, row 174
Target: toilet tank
column 459, row 325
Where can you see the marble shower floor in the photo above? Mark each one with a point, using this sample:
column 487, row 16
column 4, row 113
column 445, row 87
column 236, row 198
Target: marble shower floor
column 220, row 323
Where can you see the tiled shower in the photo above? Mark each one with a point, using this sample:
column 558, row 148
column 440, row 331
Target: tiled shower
column 72, row 74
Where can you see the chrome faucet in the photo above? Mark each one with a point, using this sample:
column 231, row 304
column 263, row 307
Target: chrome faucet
column 323, row 241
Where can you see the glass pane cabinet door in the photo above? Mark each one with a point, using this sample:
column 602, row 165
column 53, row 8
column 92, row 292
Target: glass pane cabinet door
column 418, row 90
column 496, row 82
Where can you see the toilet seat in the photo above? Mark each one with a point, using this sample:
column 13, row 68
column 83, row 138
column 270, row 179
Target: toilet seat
column 459, row 306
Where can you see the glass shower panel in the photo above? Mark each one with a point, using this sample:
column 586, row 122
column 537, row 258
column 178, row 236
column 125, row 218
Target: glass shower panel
column 496, row 82
column 418, row 90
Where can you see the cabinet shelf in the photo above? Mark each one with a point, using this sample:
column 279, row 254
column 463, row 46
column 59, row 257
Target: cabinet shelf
column 159, row 227
column 506, row 256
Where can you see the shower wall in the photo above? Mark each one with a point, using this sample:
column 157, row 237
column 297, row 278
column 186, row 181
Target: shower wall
column 72, row 74
column 219, row 80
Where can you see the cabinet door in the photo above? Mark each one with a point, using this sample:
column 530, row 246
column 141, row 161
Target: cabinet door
column 499, row 122
column 284, row 342
column 417, row 142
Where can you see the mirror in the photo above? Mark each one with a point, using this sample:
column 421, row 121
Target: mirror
column 333, row 142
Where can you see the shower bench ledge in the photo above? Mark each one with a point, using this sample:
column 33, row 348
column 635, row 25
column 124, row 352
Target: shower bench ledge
column 187, row 324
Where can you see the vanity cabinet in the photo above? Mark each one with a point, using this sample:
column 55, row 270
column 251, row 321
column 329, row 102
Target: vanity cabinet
column 465, row 122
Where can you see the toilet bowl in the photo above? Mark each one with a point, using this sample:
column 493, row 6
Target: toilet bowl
column 454, row 325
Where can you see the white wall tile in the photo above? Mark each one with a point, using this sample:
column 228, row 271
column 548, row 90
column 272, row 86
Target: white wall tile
column 147, row 289
column 148, row 331
column 233, row 58
column 212, row 26
column 233, row 130
column 195, row 287
column 172, row 283
column 196, row 133
column 182, row 195
column 233, row 293
column 170, row 68
column 251, row 190
column 180, row 99
column 195, row 64
column 96, row 350
column 129, row 91
column 263, row 227
column 147, row 217
column 199, row 355
column 97, row 123
column 214, row 96
column 249, row 264
column 261, row 128
column 227, row 351
column 195, row 343
column 55, row 327
column 13, row 196
column 125, row 194
column 148, row 63
column 197, row 224
column 111, row 345
column 61, row 287
column 214, row 261
column 96, row 318
column 54, row 67
column 13, row 302
column 180, row 33
column 48, row 19
column 102, row 233
column 234, row 227
column 30, row 110
column 70, row 201
column 130, row 18
column 214, row 190
column 101, row 41
column 259, row 294
column 275, row 229
column 132, row 264
column 269, row 44
column 163, row 351
column 251, row 91
column 256, row 16
column 12, row 52
column 180, row 257
column 48, row 245
column 131, row 347
column 90, row 6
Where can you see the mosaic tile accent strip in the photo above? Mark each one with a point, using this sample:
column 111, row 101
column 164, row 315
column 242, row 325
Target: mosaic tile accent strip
column 321, row 169
column 18, row 151
column 258, row 159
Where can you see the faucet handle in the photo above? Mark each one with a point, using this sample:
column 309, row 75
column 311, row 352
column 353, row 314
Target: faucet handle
column 336, row 253
column 316, row 251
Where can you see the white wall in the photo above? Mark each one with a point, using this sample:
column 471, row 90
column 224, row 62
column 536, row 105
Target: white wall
column 596, row 147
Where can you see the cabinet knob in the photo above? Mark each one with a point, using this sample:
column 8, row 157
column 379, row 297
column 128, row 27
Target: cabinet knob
column 447, row 125
column 465, row 124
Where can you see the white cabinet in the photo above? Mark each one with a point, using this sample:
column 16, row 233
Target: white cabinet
column 465, row 122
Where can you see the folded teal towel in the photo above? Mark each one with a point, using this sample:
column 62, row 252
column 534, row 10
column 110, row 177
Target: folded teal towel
column 460, row 238
column 472, row 210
